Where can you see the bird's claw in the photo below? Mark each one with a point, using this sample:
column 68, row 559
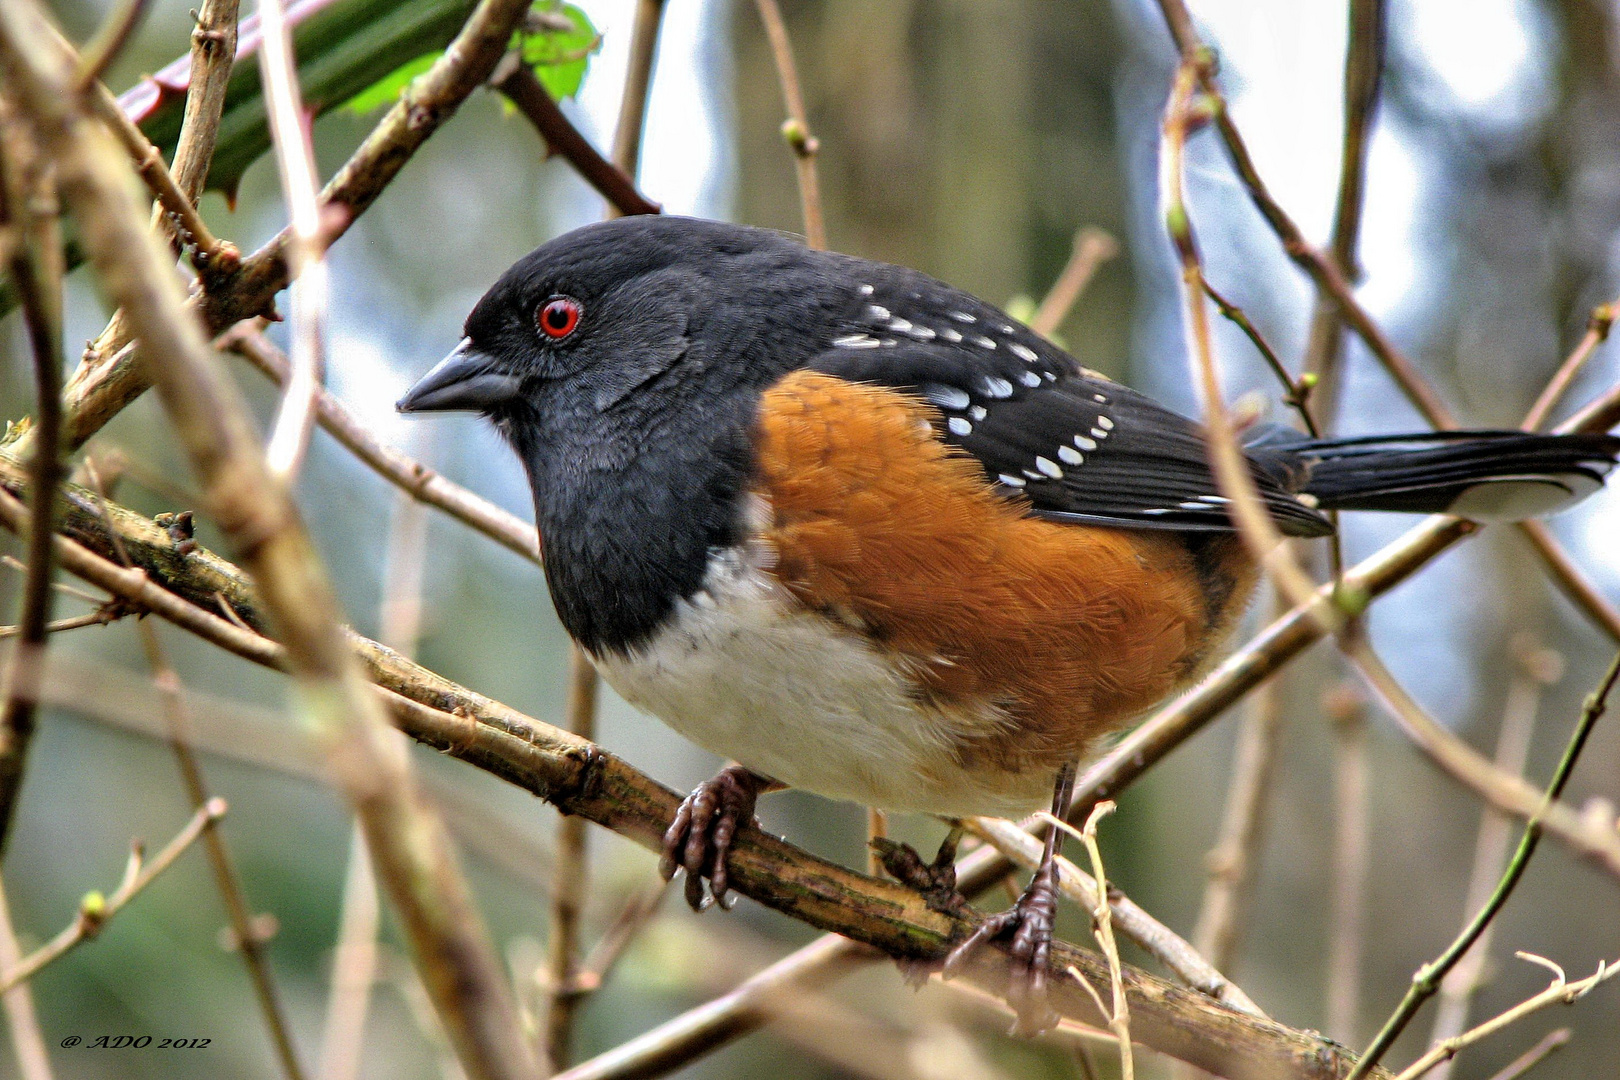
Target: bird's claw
column 1028, row 923
column 699, row 839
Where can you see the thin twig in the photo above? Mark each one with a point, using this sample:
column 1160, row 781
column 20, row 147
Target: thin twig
column 213, row 53
column 1092, row 248
column 1296, row 393
column 36, row 266
column 525, row 91
column 411, row 476
column 1427, row 979
column 211, row 252
column 1597, row 332
column 1535, row 668
column 1560, row 992
column 570, row 884
column 1570, row 581
column 1231, row 861
column 354, row 966
column 95, row 909
column 1321, row 267
column 1232, row 473
column 796, row 129
column 1102, row 926
column 300, row 187
column 1363, row 78
column 1351, row 862
column 109, row 612
column 22, row 1020
column 1554, row 1040
column 637, row 86
column 109, row 40
column 177, row 721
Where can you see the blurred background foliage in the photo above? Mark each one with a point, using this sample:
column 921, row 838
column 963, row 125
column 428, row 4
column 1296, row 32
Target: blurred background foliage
column 969, row 138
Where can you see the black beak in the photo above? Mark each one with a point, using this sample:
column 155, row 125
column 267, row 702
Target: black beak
column 466, row 379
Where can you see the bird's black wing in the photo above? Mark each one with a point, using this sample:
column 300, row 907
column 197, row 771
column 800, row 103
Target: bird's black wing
column 1077, row 445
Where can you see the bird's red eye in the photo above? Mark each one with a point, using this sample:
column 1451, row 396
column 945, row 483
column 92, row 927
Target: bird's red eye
column 558, row 317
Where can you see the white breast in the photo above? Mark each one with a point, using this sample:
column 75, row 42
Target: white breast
column 745, row 672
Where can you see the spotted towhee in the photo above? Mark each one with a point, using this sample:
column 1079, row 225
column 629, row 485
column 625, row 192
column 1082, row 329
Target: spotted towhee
column 866, row 535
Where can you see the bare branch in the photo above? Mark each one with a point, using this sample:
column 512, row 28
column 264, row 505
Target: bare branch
column 1561, row 992
column 1092, row 248
column 525, row 91
column 96, row 909
column 1459, row 759
column 300, row 184
column 27, row 1040
column 109, row 40
column 637, row 87
column 412, row 477
column 30, row 210
column 796, row 130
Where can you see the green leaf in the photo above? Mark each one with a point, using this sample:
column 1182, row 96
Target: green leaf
column 559, row 58
column 386, row 90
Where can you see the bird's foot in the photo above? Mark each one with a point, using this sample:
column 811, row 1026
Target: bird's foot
column 699, row 839
column 1028, row 926
column 935, row 881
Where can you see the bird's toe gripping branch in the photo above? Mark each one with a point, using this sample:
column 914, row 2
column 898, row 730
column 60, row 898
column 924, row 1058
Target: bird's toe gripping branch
column 699, row 839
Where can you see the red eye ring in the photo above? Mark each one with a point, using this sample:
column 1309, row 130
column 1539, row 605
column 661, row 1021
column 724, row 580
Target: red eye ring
column 558, row 317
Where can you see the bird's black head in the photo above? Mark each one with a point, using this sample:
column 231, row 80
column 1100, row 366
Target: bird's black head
column 585, row 323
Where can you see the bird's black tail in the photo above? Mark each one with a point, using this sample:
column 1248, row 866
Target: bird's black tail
column 1487, row 475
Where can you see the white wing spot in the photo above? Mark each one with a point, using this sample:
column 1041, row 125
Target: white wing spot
column 856, row 341
column 997, row 388
column 1005, row 329
column 1309, row 500
column 983, row 342
column 1194, row 505
column 947, row 397
column 1048, row 376
column 899, row 325
column 1010, row 480
column 1023, row 352
column 959, row 426
column 1071, row 456
column 1030, row 378
column 978, row 412
column 1099, row 399
column 963, row 317
column 866, row 290
column 950, row 335
column 1098, row 433
column 1049, row 467
column 1084, row 443
column 877, row 311
column 921, row 333
column 1105, row 423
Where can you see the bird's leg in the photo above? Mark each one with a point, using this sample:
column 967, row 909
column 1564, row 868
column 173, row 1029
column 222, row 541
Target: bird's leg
column 1028, row 923
column 936, row 881
column 699, row 839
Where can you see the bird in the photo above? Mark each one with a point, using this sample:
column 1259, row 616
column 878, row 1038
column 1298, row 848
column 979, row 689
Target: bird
column 864, row 534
